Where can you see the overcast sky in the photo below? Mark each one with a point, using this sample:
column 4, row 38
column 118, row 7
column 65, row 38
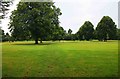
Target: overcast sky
column 76, row 12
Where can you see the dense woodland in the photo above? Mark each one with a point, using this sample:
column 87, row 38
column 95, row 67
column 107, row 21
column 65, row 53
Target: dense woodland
column 40, row 22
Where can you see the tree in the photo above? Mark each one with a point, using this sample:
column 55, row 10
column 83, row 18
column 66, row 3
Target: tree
column 73, row 37
column 7, row 37
column 69, row 35
column 38, row 20
column 20, row 33
column 69, row 31
column 1, row 33
column 58, row 34
column 86, row 31
column 4, row 37
column 106, row 29
column 118, row 34
column 79, row 34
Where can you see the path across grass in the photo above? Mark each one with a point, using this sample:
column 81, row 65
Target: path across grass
column 60, row 59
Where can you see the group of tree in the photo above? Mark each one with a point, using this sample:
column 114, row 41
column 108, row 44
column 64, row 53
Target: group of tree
column 40, row 21
column 105, row 30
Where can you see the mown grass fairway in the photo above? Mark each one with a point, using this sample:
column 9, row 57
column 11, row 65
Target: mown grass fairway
column 60, row 59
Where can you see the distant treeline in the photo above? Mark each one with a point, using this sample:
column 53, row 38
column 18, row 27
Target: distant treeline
column 40, row 22
column 86, row 32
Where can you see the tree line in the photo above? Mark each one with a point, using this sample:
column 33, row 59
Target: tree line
column 40, row 22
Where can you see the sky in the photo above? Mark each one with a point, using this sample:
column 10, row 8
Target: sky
column 76, row 12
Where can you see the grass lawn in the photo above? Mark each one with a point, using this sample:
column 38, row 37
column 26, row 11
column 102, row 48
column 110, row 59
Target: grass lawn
column 60, row 59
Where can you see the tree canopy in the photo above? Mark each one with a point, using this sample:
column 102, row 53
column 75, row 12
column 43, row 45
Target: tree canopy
column 36, row 20
column 69, row 31
column 106, row 29
column 86, row 31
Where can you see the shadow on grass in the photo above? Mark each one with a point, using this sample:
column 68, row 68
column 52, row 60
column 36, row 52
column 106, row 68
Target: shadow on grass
column 33, row 44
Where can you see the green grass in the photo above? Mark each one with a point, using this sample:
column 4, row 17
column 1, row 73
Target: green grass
column 60, row 59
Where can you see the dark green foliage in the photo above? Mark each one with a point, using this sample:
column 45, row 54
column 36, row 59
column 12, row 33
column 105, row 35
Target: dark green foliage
column 69, row 31
column 118, row 34
column 58, row 34
column 4, row 37
column 86, row 31
column 36, row 20
column 69, row 35
column 106, row 29
column 1, row 31
column 73, row 37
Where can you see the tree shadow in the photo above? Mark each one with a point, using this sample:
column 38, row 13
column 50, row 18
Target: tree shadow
column 33, row 44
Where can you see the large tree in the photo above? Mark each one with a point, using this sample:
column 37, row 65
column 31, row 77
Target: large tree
column 106, row 29
column 38, row 20
column 86, row 31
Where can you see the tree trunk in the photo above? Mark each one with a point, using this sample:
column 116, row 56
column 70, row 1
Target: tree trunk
column 105, row 40
column 36, row 41
column 40, row 41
